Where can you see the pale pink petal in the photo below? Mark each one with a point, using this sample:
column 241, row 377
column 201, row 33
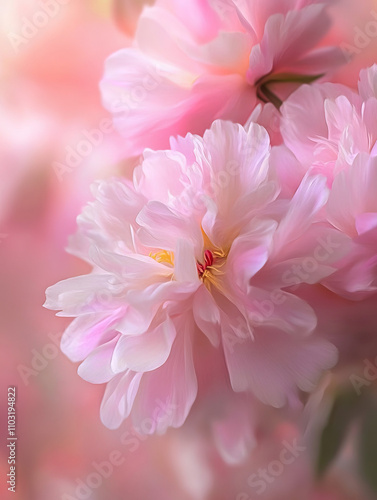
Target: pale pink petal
column 250, row 252
column 96, row 368
column 289, row 170
column 142, row 353
column 309, row 198
column 110, row 217
column 280, row 309
column 73, row 294
column 162, row 228
column 286, row 39
column 134, row 88
column 167, row 394
column 207, row 315
column 369, row 111
column 269, row 117
column 163, row 37
column 368, row 82
column 274, row 365
column 257, row 13
column 240, row 171
column 346, row 129
column 303, row 120
column 201, row 18
column 309, row 259
column 229, row 51
column 320, row 61
column 137, row 319
column 185, row 263
column 143, row 304
column 87, row 332
column 138, row 270
column 159, row 177
column 356, row 279
column 225, row 97
column 119, row 398
column 353, row 193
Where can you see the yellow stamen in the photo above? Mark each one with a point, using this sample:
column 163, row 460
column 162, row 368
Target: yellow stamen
column 212, row 273
column 220, row 253
column 163, row 257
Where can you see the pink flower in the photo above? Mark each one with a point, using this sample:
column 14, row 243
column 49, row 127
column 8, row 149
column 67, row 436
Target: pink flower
column 327, row 125
column 333, row 131
column 198, row 246
column 213, row 59
column 352, row 208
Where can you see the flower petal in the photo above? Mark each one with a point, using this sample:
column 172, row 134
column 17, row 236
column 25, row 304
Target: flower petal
column 96, row 368
column 207, row 315
column 87, row 332
column 146, row 352
column 167, row 394
column 119, row 398
column 274, row 364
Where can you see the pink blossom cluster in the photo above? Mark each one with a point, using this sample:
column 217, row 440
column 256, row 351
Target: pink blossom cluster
column 254, row 194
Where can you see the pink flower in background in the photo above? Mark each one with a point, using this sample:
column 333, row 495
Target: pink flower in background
column 352, row 208
column 333, row 130
column 212, row 59
column 127, row 13
column 198, row 245
column 322, row 125
column 327, row 125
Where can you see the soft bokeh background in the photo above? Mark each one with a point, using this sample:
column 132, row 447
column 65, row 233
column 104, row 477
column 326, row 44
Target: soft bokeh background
column 49, row 103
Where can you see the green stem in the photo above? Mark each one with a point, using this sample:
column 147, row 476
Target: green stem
column 265, row 94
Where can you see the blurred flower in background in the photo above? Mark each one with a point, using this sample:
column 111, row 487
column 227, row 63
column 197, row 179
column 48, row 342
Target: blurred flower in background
column 55, row 140
column 127, row 13
column 188, row 67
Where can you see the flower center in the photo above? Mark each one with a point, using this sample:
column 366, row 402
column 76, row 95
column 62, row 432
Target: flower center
column 208, row 261
column 209, row 270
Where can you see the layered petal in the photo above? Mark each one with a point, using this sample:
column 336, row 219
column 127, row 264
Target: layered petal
column 274, row 365
column 167, row 394
column 143, row 353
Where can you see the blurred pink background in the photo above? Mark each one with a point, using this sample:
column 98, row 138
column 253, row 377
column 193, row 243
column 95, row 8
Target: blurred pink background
column 49, row 104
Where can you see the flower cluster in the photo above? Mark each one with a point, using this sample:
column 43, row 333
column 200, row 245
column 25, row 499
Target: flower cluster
column 259, row 191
